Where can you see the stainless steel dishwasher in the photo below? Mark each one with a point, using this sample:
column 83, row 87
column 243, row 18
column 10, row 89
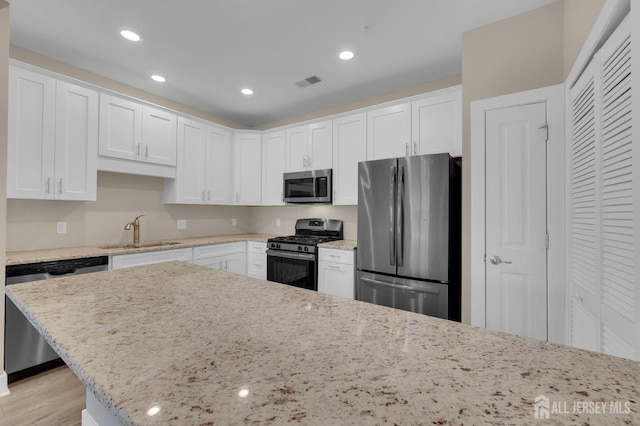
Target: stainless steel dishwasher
column 25, row 350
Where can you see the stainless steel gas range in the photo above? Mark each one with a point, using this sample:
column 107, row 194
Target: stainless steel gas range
column 293, row 260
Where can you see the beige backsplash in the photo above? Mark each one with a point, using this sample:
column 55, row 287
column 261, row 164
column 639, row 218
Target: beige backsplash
column 31, row 224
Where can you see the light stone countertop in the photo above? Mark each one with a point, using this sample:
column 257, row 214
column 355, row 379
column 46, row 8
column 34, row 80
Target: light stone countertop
column 191, row 340
column 340, row 245
column 49, row 255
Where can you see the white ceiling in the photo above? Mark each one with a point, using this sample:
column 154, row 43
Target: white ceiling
column 210, row 49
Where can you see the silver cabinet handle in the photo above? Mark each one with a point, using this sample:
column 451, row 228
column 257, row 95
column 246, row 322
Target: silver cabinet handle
column 138, row 150
column 496, row 260
column 333, row 267
column 415, row 148
column 47, row 185
column 304, row 161
column 225, row 264
column 406, row 148
column 208, row 195
column 146, row 151
column 202, row 195
column 60, row 186
column 309, row 161
column 237, row 197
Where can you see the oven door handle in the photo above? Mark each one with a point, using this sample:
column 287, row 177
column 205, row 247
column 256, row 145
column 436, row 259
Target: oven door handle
column 291, row 255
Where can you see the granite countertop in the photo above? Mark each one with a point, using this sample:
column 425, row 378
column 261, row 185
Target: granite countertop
column 48, row 255
column 209, row 347
column 340, row 244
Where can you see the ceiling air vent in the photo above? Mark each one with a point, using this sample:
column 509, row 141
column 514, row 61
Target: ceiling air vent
column 308, row 81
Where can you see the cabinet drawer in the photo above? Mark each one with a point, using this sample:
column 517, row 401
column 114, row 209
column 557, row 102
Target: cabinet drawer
column 218, row 249
column 256, row 247
column 257, row 268
column 337, row 256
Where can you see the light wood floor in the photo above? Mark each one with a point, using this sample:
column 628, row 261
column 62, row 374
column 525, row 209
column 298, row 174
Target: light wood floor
column 55, row 397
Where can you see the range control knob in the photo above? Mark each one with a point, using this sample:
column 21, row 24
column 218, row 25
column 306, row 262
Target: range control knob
column 306, row 249
column 300, row 248
column 277, row 245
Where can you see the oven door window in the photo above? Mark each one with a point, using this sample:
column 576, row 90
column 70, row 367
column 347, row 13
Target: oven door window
column 299, row 188
column 295, row 272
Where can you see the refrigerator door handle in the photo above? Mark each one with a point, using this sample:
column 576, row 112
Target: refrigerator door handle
column 400, row 219
column 392, row 217
column 400, row 286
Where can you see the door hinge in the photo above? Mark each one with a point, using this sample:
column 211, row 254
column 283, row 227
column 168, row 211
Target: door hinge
column 546, row 240
column 545, row 127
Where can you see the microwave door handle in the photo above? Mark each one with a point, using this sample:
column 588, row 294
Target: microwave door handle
column 400, row 218
column 392, row 217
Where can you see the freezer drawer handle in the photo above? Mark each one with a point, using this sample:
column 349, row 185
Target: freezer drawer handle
column 404, row 287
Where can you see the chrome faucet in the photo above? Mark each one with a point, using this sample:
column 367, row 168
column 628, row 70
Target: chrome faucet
column 136, row 229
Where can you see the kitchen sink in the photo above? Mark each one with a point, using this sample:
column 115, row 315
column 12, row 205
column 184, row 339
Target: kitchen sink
column 139, row 245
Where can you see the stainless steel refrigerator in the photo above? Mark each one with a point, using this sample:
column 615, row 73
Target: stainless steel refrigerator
column 409, row 239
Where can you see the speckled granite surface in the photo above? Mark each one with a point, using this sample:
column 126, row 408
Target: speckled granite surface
column 340, row 244
column 209, row 347
column 47, row 255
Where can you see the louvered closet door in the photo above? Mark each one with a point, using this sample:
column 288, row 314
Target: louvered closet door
column 583, row 208
column 618, row 292
column 605, row 285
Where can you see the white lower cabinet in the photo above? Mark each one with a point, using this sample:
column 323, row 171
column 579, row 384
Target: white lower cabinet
column 336, row 274
column 257, row 260
column 150, row 257
column 229, row 257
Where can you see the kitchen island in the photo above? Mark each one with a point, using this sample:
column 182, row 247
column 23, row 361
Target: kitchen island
column 181, row 344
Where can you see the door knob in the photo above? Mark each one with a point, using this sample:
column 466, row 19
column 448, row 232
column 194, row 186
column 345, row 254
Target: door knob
column 496, row 260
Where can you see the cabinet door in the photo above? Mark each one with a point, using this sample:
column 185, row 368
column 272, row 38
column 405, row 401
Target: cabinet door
column 257, row 260
column 190, row 176
column 437, row 125
column 349, row 148
column 236, row 263
column 76, row 149
column 158, row 136
column 296, row 155
column 215, row 262
column 273, row 167
column 120, row 128
column 320, row 145
column 248, row 182
column 337, row 279
column 389, row 132
column 218, row 175
column 31, row 134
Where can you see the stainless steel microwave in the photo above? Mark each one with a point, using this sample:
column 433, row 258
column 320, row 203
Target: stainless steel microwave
column 313, row 186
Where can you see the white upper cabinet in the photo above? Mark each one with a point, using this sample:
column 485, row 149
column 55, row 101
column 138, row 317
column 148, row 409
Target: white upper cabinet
column 218, row 174
column 76, row 158
column 52, row 138
column 120, row 127
column 309, row 147
column 349, row 148
column 203, row 172
column 158, row 136
column 248, row 168
column 437, row 124
column 188, row 185
column 273, row 167
column 320, row 147
column 389, row 132
column 296, row 155
column 140, row 133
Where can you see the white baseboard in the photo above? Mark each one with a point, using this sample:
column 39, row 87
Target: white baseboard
column 4, row 387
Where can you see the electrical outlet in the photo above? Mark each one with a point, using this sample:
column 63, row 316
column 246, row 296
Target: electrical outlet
column 62, row 227
column 234, row 222
column 278, row 222
column 182, row 224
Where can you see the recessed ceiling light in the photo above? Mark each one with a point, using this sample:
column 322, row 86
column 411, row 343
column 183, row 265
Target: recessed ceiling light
column 247, row 92
column 130, row 35
column 158, row 78
column 345, row 55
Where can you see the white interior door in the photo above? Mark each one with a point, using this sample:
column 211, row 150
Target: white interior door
column 516, row 220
